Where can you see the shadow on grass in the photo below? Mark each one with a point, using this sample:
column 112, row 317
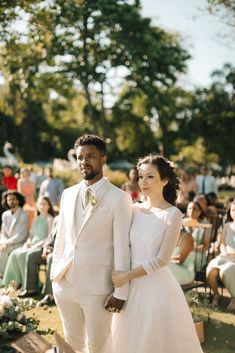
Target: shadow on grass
column 220, row 337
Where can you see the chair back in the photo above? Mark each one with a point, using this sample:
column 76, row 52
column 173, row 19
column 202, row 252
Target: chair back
column 201, row 264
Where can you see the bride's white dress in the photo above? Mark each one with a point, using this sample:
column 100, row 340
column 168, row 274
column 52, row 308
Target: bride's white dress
column 156, row 318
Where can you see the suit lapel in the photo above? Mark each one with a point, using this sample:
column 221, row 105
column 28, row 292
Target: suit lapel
column 101, row 193
column 15, row 219
column 75, row 195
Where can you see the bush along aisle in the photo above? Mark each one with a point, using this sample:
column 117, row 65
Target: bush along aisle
column 13, row 320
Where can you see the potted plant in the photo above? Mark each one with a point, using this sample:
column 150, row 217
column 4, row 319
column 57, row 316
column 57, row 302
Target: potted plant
column 200, row 309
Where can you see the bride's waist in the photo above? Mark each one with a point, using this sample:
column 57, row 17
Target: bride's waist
column 136, row 262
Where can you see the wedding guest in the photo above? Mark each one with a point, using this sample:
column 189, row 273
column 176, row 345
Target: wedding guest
column 188, row 191
column 223, row 266
column 14, row 230
column 132, row 186
column 206, row 182
column 183, row 259
column 9, row 180
column 40, row 177
column 28, row 189
column 209, row 211
column 156, row 317
column 16, row 264
column 201, row 236
column 35, row 258
column 51, row 187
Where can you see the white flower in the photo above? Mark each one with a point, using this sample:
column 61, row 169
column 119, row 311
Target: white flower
column 20, row 317
column 5, row 301
column 1, row 309
column 12, row 317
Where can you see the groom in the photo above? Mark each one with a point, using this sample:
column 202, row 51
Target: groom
column 92, row 241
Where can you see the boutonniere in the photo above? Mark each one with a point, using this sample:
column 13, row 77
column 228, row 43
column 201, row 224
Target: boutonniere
column 92, row 199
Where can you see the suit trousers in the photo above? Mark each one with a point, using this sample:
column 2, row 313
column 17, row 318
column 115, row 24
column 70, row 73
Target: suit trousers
column 86, row 323
column 33, row 261
column 47, row 287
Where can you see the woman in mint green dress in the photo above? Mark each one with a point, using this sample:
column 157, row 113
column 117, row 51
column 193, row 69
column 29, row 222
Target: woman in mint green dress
column 201, row 236
column 16, row 264
column 183, row 258
column 223, row 266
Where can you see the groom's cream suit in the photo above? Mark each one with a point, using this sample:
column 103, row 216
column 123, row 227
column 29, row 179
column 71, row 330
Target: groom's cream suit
column 91, row 242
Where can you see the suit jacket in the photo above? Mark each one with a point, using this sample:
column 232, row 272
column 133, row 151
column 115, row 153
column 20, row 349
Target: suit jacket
column 101, row 245
column 16, row 230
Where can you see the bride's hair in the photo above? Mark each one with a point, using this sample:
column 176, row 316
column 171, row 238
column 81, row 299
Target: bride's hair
column 166, row 171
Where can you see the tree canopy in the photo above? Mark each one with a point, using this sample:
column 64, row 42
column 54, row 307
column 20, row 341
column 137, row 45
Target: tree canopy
column 73, row 67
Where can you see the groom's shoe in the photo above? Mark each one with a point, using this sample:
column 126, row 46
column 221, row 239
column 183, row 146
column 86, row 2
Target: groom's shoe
column 27, row 294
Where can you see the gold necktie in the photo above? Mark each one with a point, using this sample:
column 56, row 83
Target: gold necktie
column 87, row 196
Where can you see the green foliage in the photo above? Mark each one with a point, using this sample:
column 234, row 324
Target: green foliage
column 69, row 50
column 212, row 117
column 74, row 67
column 12, row 315
column 223, row 9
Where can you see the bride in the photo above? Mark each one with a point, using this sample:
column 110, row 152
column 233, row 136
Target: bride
column 156, row 318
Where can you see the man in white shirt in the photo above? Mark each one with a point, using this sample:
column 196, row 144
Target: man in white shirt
column 15, row 227
column 92, row 240
column 206, row 182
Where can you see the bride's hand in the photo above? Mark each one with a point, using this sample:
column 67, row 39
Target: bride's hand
column 120, row 278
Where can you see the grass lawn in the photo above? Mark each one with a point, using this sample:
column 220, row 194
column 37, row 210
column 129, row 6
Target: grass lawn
column 219, row 328
column 219, row 325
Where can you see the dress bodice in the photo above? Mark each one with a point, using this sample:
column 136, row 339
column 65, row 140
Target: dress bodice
column 40, row 229
column 148, row 232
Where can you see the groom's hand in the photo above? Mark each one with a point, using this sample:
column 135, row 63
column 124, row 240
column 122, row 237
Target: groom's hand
column 114, row 305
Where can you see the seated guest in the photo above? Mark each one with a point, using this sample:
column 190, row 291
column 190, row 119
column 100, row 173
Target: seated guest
column 182, row 260
column 9, row 180
column 14, row 228
column 34, row 260
column 210, row 211
column 201, row 236
column 132, row 186
column 15, row 268
column 223, row 266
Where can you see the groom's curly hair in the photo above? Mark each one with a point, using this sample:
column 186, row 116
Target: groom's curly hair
column 166, row 171
column 94, row 140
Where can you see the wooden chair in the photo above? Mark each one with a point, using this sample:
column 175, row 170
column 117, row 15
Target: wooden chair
column 200, row 274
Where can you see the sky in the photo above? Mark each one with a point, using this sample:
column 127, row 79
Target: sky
column 202, row 35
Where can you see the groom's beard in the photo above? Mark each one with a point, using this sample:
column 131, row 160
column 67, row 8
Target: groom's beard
column 90, row 173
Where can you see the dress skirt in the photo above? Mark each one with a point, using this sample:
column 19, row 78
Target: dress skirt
column 156, row 318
